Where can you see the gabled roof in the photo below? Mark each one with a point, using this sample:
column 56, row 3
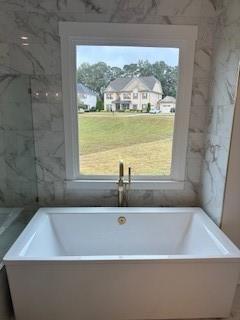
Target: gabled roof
column 169, row 99
column 120, row 83
column 81, row 88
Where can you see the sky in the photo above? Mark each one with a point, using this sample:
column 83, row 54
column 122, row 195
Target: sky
column 119, row 56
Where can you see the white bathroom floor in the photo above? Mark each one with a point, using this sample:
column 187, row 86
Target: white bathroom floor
column 235, row 314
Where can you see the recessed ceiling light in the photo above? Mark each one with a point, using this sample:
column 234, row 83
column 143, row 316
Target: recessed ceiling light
column 24, row 38
column 25, row 44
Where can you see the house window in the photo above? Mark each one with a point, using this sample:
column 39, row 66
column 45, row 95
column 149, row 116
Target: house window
column 126, row 96
column 152, row 144
column 135, row 95
column 135, row 106
column 109, row 96
column 82, row 95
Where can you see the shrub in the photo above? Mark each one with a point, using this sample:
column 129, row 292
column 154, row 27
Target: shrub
column 99, row 105
column 148, row 107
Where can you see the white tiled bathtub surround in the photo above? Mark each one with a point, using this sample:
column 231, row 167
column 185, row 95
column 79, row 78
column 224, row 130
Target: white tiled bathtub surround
column 225, row 60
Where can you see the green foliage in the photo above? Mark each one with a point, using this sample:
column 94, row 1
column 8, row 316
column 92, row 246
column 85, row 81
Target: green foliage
column 148, row 107
column 99, row 105
column 94, row 76
column 167, row 75
column 97, row 76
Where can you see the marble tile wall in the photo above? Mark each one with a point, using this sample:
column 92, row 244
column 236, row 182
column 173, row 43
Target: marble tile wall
column 38, row 20
column 17, row 154
column 226, row 57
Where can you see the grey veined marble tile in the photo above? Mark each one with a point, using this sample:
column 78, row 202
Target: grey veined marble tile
column 15, row 103
column 46, row 88
column 197, row 122
column 47, row 116
column 40, row 59
column 49, row 143
column 35, row 59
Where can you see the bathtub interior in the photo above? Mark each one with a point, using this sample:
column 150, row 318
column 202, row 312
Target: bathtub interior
column 100, row 235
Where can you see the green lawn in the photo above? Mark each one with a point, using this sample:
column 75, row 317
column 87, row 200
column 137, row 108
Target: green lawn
column 143, row 141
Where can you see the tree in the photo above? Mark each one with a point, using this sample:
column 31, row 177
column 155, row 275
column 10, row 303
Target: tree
column 130, row 70
column 145, row 68
column 116, row 72
column 99, row 105
column 167, row 75
column 148, row 107
column 97, row 76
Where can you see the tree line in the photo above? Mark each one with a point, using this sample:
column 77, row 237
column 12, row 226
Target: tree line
column 97, row 76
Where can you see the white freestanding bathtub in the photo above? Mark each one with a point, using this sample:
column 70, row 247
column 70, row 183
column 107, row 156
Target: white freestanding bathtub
column 87, row 264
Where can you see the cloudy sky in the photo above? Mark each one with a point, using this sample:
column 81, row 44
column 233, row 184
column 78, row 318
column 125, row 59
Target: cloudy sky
column 119, row 56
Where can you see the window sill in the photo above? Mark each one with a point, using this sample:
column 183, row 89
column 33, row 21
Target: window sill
column 135, row 185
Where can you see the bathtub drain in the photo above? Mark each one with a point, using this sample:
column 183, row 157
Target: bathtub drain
column 122, row 220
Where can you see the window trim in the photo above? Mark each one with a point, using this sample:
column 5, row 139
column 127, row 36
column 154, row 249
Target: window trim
column 135, row 95
column 109, row 96
column 126, row 96
column 182, row 37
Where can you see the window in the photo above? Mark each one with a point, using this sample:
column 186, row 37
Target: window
column 135, row 106
column 82, row 95
column 144, row 95
column 91, row 155
column 126, row 96
column 135, row 95
column 109, row 96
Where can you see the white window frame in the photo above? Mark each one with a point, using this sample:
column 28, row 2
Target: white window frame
column 182, row 37
column 126, row 96
column 135, row 95
column 109, row 96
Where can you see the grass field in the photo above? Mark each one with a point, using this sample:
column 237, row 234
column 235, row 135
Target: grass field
column 142, row 141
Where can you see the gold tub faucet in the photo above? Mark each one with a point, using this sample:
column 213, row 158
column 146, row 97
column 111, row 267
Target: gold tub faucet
column 123, row 186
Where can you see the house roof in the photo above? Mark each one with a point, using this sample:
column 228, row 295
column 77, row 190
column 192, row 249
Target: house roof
column 169, row 99
column 81, row 88
column 120, row 83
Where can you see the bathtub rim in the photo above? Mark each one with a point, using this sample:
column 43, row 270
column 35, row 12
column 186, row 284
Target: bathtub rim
column 13, row 257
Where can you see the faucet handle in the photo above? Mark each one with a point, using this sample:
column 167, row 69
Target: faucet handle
column 129, row 175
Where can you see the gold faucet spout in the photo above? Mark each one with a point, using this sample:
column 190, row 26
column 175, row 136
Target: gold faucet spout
column 122, row 186
column 121, row 169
